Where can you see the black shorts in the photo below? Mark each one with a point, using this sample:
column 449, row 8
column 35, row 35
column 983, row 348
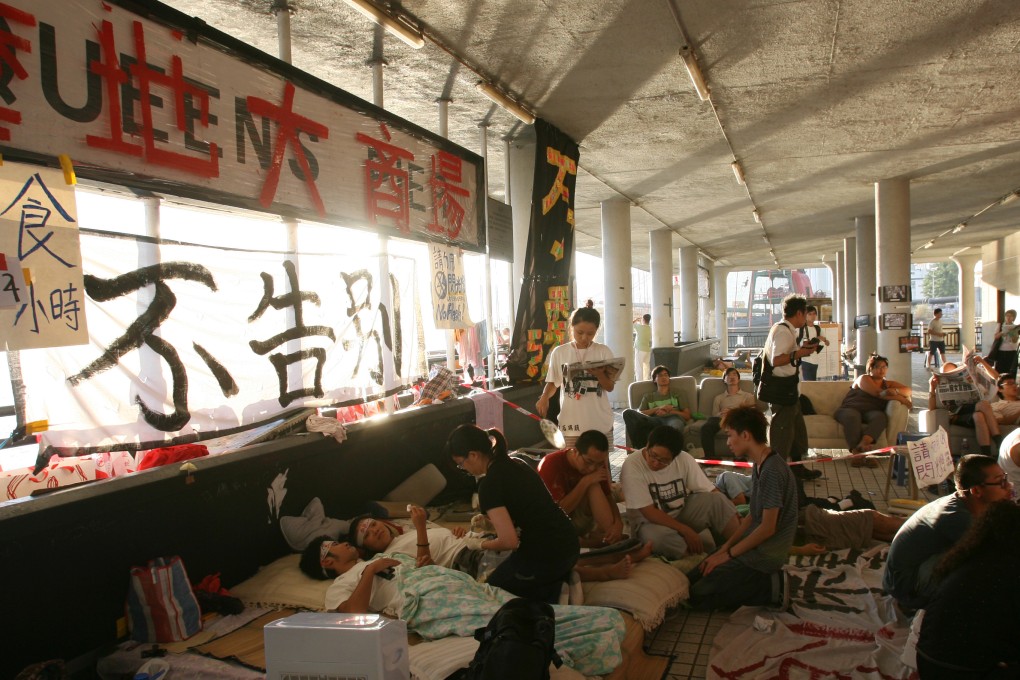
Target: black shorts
column 964, row 417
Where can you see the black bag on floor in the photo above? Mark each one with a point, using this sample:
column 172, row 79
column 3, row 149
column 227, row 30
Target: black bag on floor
column 517, row 644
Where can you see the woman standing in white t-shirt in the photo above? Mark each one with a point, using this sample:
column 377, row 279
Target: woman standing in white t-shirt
column 1007, row 335
column 584, row 395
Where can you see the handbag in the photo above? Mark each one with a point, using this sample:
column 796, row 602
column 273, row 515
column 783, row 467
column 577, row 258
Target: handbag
column 161, row 607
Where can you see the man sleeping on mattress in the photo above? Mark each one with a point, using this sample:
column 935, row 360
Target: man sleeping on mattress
column 452, row 549
column 437, row 602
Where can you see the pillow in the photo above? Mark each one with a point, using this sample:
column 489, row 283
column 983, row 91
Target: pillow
column 651, row 589
column 282, row 584
column 312, row 523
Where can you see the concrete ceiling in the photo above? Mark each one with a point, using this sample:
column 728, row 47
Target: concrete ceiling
column 817, row 99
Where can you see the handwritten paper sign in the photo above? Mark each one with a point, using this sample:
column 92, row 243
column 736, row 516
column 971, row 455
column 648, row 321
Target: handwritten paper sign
column 930, row 458
column 449, row 292
column 42, row 260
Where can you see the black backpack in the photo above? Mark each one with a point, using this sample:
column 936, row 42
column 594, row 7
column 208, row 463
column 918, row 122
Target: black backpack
column 517, row 643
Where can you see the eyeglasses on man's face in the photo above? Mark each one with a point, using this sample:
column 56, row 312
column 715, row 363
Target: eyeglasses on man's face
column 1003, row 482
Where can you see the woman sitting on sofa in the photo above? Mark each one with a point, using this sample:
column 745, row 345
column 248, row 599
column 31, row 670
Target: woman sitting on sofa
column 862, row 413
column 732, row 398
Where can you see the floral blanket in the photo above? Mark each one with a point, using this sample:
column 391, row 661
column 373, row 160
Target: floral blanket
column 439, row 602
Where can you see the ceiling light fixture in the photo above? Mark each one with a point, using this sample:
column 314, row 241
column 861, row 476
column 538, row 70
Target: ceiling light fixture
column 765, row 238
column 501, row 98
column 929, row 244
column 738, row 172
column 409, row 34
column 960, row 227
column 1009, row 198
column 756, row 215
column 694, row 72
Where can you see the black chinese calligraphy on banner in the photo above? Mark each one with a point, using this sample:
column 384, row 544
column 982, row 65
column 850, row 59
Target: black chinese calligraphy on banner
column 41, row 291
column 545, row 302
column 208, row 340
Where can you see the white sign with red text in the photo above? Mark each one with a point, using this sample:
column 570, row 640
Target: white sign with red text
column 187, row 110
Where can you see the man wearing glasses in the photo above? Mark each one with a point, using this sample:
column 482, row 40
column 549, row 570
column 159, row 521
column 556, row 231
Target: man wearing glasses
column 578, row 479
column 670, row 500
column 938, row 526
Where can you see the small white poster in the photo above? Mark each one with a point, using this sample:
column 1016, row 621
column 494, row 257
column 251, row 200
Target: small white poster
column 39, row 239
column 930, row 458
column 449, row 289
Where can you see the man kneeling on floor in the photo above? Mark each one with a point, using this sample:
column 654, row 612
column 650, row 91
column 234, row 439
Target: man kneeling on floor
column 747, row 569
column 670, row 500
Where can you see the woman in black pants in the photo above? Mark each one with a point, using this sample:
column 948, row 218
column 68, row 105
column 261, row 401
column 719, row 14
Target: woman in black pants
column 527, row 520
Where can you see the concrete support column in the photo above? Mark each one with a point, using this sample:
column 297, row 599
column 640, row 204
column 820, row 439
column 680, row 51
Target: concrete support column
column 892, row 235
column 660, row 249
column 490, row 328
column 966, row 265
column 618, row 319
column 506, row 200
column 839, row 287
column 849, row 289
column 522, row 180
column 831, row 266
column 282, row 10
column 688, row 294
column 867, row 338
column 719, row 297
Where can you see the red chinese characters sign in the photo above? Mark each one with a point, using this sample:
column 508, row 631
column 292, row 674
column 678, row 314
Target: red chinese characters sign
column 157, row 106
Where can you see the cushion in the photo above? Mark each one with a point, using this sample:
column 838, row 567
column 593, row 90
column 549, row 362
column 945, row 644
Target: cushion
column 282, row 584
column 823, row 427
column 312, row 523
column 652, row 588
column 825, row 395
column 419, row 488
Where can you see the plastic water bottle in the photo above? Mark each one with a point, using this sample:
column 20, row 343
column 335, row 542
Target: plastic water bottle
column 964, row 447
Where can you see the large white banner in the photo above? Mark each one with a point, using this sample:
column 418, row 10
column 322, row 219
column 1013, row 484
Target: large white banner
column 211, row 339
column 41, row 292
column 183, row 108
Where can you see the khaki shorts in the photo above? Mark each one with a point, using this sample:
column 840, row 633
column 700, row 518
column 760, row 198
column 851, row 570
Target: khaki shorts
column 838, row 530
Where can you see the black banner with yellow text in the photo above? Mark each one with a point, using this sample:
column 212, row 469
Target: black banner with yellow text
column 545, row 305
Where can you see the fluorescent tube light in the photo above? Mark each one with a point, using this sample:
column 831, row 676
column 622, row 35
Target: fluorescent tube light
column 738, row 172
column 497, row 95
column 929, row 244
column 694, row 72
column 408, row 34
column 960, row 227
column 756, row 215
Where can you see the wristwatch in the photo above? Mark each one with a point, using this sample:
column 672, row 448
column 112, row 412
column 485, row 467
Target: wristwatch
column 793, row 356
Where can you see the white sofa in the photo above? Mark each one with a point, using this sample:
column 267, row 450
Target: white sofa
column 823, row 430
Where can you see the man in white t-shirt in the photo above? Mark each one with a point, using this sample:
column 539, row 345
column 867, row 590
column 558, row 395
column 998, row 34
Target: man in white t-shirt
column 670, row 500
column 936, row 341
column 787, row 431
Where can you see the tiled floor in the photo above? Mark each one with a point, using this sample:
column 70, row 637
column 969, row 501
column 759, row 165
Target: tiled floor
column 688, row 635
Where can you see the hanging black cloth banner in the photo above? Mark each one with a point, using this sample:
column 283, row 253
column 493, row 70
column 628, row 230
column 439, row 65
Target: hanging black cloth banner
column 545, row 303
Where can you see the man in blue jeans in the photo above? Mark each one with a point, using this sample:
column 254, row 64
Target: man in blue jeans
column 747, row 569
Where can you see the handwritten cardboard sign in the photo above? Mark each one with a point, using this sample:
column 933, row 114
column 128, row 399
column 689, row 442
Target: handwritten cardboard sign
column 930, row 458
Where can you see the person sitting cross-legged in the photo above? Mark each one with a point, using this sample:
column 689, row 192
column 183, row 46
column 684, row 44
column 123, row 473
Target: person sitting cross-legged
column 664, row 406
column 670, row 500
column 969, row 410
column 747, row 568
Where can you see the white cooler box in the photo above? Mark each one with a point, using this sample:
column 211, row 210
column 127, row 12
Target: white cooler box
column 333, row 645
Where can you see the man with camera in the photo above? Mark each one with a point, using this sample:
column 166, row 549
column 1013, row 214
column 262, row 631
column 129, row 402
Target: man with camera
column 811, row 332
column 787, row 432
